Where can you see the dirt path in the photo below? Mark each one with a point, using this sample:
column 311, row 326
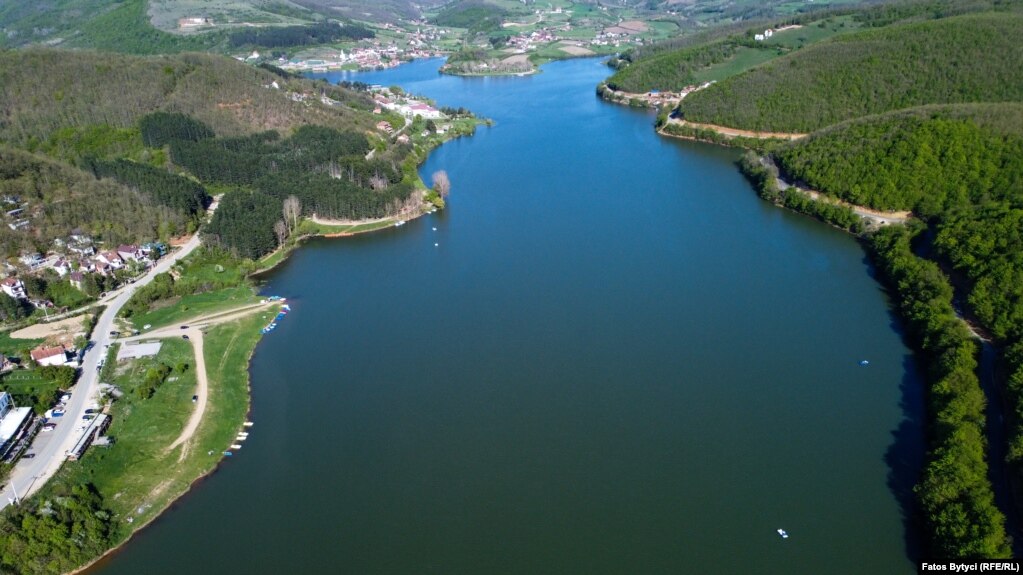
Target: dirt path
column 202, row 391
column 875, row 217
column 328, row 222
column 733, row 132
column 195, row 335
column 71, row 326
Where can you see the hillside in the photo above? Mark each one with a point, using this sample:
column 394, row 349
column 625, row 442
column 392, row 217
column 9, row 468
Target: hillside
column 970, row 58
column 107, row 132
column 122, row 26
column 43, row 91
column 64, row 198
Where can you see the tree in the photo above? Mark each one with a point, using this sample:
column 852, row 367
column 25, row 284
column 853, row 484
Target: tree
column 441, row 183
column 292, row 210
column 281, row 231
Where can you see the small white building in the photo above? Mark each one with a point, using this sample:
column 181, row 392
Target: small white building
column 14, row 288
column 49, row 355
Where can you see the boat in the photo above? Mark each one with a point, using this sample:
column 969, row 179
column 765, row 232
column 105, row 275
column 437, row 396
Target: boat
column 236, row 446
column 399, row 223
column 864, row 362
column 228, row 453
column 249, row 424
column 784, row 534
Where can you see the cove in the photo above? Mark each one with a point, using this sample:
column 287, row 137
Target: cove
column 609, row 357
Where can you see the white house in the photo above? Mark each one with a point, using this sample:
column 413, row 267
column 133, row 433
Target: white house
column 14, row 288
column 62, row 267
column 33, row 261
column 111, row 259
column 130, row 252
column 49, row 355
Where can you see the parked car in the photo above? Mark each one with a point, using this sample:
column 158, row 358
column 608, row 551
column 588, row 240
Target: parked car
column 49, row 427
column 88, row 416
column 91, row 410
column 184, row 337
column 28, row 456
column 115, row 333
column 184, row 327
column 195, row 398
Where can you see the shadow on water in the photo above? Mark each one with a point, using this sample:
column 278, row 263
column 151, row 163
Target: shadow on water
column 906, row 455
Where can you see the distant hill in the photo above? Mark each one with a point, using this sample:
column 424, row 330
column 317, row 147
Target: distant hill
column 118, row 26
column 108, row 89
column 473, row 15
column 971, row 58
column 372, row 10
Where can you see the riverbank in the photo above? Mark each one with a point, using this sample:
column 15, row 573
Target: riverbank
column 956, row 486
column 195, row 453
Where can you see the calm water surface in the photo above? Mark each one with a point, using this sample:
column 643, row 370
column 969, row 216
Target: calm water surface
column 608, row 357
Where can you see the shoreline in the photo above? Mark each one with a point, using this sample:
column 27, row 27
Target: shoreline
column 109, row 553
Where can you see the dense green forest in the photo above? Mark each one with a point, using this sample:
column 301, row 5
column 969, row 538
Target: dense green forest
column 116, row 26
column 112, row 133
column 477, row 17
column 56, row 534
column 955, row 492
column 325, row 169
column 971, row 58
column 291, row 36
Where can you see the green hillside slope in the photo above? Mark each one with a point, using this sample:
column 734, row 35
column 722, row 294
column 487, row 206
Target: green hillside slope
column 43, row 91
column 972, row 58
column 126, row 126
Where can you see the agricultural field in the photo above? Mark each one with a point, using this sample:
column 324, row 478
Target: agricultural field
column 173, row 15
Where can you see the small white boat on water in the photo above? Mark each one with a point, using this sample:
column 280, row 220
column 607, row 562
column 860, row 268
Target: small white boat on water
column 399, row 223
column 784, row 534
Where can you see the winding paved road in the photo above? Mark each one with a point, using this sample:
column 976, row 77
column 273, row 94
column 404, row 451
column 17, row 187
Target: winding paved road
column 29, row 475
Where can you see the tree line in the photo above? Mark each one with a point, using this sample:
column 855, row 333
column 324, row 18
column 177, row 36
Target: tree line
column 327, row 32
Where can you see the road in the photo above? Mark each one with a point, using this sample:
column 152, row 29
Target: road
column 31, row 474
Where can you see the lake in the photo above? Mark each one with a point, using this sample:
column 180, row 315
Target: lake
column 606, row 356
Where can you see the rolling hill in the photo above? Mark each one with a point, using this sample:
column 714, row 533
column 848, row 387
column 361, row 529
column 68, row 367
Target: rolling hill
column 970, row 58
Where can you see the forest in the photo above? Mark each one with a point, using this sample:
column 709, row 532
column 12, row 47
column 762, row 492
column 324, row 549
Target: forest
column 970, row 58
column 955, row 493
column 116, row 91
column 291, row 36
column 65, row 198
column 477, row 17
column 325, row 169
column 56, row 534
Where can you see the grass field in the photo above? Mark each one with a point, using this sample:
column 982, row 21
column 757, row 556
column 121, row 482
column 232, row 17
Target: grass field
column 744, row 59
column 794, row 39
column 189, row 306
column 11, row 346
